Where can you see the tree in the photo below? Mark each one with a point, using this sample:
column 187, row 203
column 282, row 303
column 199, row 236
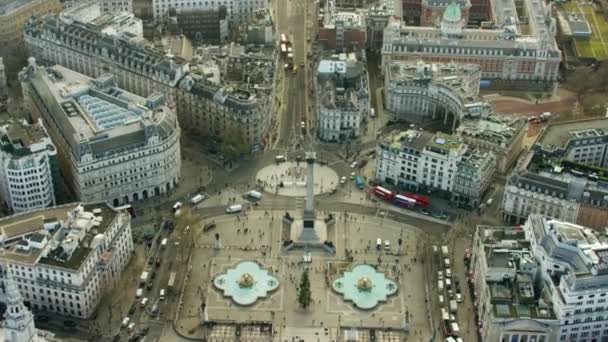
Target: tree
column 233, row 145
column 305, row 296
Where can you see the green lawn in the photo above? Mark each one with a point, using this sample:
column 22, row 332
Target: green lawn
column 597, row 45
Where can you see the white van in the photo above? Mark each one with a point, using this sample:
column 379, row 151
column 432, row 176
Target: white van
column 177, row 205
column 255, row 194
column 378, row 243
column 236, row 208
column 387, row 245
column 162, row 294
column 144, row 302
column 139, row 293
column 446, row 262
column 448, row 273
column 125, row 321
column 280, row 159
column 440, row 285
column 197, row 199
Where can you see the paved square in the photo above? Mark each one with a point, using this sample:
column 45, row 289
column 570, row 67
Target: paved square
column 257, row 236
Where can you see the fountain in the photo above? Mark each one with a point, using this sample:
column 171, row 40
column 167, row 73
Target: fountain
column 365, row 287
column 246, row 283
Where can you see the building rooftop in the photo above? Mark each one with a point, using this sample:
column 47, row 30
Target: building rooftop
column 461, row 80
column 497, row 129
column 557, row 135
column 22, row 224
column 570, row 243
column 397, row 141
column 60, row 236
column 350, row 20
column 510, row 275
column 96, row 116
column 475, row 161
column 508, row 35
column 21, row 135
column 445, row 142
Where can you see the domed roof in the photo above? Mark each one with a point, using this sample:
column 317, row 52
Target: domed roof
column 452, row 12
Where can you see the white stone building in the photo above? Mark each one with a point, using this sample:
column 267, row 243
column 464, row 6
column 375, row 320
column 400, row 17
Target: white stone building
column 238, row 10
column 512, row 302
column 342, row 97
column 66, row 256
column 420, row 92
column 574, row 265
column 112, row 145
column 29, row 168
column 421, row 161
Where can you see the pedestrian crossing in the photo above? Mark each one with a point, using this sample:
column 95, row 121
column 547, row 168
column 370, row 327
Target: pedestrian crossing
column 228, row 333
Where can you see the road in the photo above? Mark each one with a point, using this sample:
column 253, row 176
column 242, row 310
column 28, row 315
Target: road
column 291, row 18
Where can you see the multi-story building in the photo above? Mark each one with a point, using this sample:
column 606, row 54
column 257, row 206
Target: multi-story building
column 105, row 5
column 65, row 257
column 421, row 161
column 513, row 302
column 573, row 262
column 93, row 44
column 473, row 177
column 398, row 155
column 233, row 105
column 512, row 51
column 202, row 25
column 238, row 10
column 14, row 14
column 439, row 161
column 3, row 82
column 420, row 92
column 563, row 177
column 113, row 145
column 377, row 18
column 29, row 178
column 502, row 134
column 342, row 31
column 260, row 29
column 342, row 97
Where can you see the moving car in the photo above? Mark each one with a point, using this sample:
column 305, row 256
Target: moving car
column 342, row 180
column 354, row 164
column 236, row 208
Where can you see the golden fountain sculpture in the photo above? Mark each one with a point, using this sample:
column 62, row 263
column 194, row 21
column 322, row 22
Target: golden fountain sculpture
column 365, row 284
column 246, row 280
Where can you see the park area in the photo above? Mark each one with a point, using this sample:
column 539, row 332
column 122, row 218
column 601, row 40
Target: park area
column 596, row 46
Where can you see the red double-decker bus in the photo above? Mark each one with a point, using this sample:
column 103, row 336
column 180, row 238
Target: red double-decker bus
column 383, row 193
column 421, row 201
